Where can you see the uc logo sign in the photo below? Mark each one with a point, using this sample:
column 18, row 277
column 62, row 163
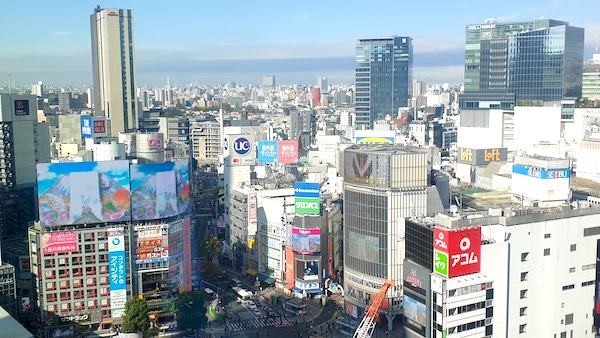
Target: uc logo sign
column 241, row 146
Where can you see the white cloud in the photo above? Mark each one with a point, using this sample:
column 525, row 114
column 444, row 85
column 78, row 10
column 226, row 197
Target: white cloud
column 45, row 174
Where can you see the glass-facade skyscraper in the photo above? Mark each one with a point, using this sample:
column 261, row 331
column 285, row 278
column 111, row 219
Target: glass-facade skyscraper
column 537, row 60
column 383, row 77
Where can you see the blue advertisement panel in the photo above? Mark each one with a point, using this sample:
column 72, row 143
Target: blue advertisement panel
column 83, row 192
column 118, row 272
column 541, row 173
column 306, row 189
column 159, row 190
column 86, row 126
column 267, row 151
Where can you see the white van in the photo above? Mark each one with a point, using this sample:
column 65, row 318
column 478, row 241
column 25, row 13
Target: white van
column 210, row 293
column 237, row 282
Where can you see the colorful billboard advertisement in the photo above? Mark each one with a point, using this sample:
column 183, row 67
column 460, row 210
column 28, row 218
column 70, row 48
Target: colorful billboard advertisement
column 306, row 241
column 83, row 192
column 118, row 272
column 367, row 168
column 363, row 247
column 288, row 152
column 252, row 206
column 86, row 126
column 159, row 190
column 457, row 252
column 290, row 278
column 59, row 242
column 187, row 254
column 415, row 311
column 541, row 173
column 307, row 270
column 375, row 136
column 152, row 243
column 99, row 126
column 306, row 198
column 481, row 156
column 307, row 189
column 267, row 151
column 240, row 150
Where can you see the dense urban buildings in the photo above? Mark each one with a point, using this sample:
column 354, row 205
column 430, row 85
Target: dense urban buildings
column 113, row 66
column 384, row 68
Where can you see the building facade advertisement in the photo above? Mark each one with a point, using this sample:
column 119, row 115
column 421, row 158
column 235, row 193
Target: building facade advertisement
column 367, row 168
column 288, row 152
column 267, row 151
column 415, row 311
column 59, row 242
column 307, row 189
column 187, row 252
column 310, row 206
column 241, row 150
column 99, row 127
column 118, row 272
column 541, row 173
column 290, row 277
column 306, row 241
column 457, row 252
column 307, row 270
column 252, row 206
column 152, row 243
column 597, row 292
column 481, row 156
column 21, row 107
column 86, row 126
column 83, row 192
column 374, row 140
column 364, row 247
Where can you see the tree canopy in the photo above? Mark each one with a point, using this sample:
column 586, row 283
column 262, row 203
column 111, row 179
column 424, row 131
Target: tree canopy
column 191, row 311
column 212, row 248
column 135, row 318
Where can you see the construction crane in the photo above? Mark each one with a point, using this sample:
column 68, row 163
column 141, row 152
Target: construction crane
column 367, row 324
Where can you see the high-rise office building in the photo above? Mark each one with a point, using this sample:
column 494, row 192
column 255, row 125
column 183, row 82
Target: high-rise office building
column 113, row 63
column 323, row 84
column 536, row 60
column 591, row 81
column 383, row 77
column 269, row 82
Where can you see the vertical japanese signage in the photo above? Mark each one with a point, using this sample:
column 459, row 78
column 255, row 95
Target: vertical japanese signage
column 307, row 198
column 597, row 295
column 456, row 252
column 118, row 272
column 288, row 152
column 267, row 151
column 187, row 255
column 252, row 206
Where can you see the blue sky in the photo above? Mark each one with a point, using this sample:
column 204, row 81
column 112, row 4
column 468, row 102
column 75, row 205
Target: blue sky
column 222, row 41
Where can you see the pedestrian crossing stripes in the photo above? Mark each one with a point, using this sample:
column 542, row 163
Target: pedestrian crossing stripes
column 257, row 323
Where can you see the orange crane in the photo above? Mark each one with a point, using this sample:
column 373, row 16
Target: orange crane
column 367, row 324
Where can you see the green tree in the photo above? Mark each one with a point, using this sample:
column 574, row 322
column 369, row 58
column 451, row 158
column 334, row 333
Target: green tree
column 191, row 311
column 212, row 248
column 210, row 271
column 135, row 318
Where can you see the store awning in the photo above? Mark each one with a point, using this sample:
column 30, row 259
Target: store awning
column 289, row 286
column 270, row 280
column 251, row 272
column 284, row 283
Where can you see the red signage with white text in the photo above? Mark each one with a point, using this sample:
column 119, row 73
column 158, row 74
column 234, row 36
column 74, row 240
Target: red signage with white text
column 99, row 128
column 287, row 152
column 462, row 248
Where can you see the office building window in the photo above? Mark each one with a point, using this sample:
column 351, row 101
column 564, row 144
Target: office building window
column 547, row 252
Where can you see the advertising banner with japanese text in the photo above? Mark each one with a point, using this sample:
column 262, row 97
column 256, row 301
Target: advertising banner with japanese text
column 118, row 272
column 306, row 241
column 288, row 152
column 267, row 151
column 457, row 252
column 59, row 242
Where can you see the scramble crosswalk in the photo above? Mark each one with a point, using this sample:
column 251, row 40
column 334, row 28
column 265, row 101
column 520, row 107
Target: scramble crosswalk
column 257, row 323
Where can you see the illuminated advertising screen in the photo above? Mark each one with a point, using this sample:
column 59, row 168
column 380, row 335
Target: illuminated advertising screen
column 288, row 152
column 306, row 241
column 86, row 126
column 367, row 168
column 59, row 242
column 541, row 173
column 83, row 192
column 159, row 190
column 457, row 252
column 415, row 311
column 267, row 151
column 307, row 270
column 118, row 272
column 363, row 247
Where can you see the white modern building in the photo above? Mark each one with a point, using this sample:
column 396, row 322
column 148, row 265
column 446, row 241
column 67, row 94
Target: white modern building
column 113, row 65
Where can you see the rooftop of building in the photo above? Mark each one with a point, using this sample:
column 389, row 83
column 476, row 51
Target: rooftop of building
column 12, row 328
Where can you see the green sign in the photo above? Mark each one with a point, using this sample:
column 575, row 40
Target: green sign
column 440, row 262
column 307, row 205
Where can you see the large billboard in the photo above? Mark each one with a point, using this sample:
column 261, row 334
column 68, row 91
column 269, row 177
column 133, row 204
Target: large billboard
column 288, row 152
column 159, row 190
column 363, row 247
column 541, row 173
column 267, row 151
column 306, row 241
column 59, row 242
column 415, row 311
column 307, row 270
column 456, row 252
column 93, row 126
column 307, row 198
column 241, row 150
column 83, row 192
column 481, row 156
column 152, row 243
column 86, row 127
column 375, row 136
column 367, row 168
column 118, row 272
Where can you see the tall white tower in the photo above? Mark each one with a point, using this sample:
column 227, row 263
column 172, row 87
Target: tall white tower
column 113, row 62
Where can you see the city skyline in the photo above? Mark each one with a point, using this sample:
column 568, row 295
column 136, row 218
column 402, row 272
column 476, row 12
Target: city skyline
column 243, row 42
